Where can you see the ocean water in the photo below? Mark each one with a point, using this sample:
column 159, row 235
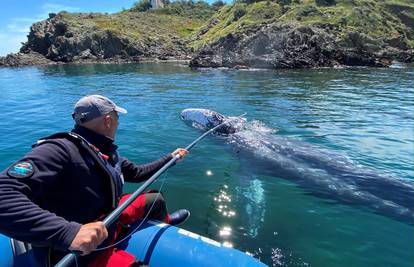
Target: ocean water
column 362, row 114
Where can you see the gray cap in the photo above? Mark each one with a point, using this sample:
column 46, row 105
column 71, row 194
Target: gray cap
column 94, row 106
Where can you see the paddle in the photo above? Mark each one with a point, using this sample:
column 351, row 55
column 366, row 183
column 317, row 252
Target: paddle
column 69, row 258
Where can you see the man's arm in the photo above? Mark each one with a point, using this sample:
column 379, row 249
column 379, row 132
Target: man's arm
column 139, row 173
column 20, row 217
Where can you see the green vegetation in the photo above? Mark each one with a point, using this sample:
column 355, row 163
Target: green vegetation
column 238, row 13
column 325, row 2
column 142, row 6
column 191, row 21
column 179, row 20
column 189, row 9
column 388, row 18
column 217, row 5
column 185, row 8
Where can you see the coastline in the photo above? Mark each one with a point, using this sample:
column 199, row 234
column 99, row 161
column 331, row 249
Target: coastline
column 292, row 40
column 103, row 61
column 393, row 64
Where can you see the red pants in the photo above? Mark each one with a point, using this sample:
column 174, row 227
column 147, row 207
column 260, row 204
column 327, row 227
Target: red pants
column 152, row 203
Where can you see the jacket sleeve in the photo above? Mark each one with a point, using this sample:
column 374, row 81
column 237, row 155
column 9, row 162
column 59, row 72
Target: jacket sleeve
column 139, row 173
column 21, row 217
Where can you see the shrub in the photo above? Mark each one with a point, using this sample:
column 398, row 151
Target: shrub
column 268, row 13
column 284, row 2
column 238, row 13
column 308, row 11
column 142, row 6
column 283, row 5
column 248, row 1
column 218, row 4
column 190, row 8
column 325, row 2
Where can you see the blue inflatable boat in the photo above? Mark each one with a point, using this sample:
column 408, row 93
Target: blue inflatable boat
column 156, row 244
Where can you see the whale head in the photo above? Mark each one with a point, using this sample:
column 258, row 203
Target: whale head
column 207, row 119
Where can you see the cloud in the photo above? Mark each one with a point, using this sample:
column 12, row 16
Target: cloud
column 15, row 32
column 11, row 43
column 18, row 28
column 28, row 20
column 55, row 8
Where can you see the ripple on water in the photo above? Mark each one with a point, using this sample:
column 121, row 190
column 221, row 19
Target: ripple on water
column 363, row 113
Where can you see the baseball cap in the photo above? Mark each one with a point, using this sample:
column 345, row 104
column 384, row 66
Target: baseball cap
column 94, row 106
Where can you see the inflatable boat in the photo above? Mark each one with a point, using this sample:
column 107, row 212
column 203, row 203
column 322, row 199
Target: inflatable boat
column 154, row 243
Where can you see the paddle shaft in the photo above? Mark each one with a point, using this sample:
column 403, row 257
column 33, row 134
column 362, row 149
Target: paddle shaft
column 71, row 257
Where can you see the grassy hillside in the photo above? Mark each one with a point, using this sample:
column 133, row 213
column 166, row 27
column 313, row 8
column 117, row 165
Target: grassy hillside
column 186, row 23
column 175, row 22
column 179, row 30
column 386, row 18
column 137, row 26
column 187, row 20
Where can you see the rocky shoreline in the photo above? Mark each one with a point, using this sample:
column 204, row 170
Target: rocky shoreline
column 52, row 42
column 285, row 46
column 35, row 59
column 268, row 46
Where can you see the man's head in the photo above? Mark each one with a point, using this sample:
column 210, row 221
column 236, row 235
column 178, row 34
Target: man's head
column 98, row 114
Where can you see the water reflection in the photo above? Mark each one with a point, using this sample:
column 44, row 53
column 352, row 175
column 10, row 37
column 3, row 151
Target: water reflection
column 247, row 197
column 365, row 113
column 105, row 69
column 253, row 196
column 223, row 216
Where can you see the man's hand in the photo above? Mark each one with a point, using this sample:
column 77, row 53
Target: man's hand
column 180, row 151
column 89, row 237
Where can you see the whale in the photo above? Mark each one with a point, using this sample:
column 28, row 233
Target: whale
column 319, row 171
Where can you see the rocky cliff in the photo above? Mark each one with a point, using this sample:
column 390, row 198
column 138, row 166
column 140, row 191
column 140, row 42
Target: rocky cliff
column 281, row 45
column 303, row 34
column 122, row 37
column 248, row 33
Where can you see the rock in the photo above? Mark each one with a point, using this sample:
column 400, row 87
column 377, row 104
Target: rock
column 287, row 46
column 54, row 39
column 24, row 59
column 271, row 46
column 361, row 42
column 86, row 54
column 240, row 67
column 399, row 42
column 308, row 11
column 210, row 25
column 392, row 53
column 264, row 45
column 68, row 34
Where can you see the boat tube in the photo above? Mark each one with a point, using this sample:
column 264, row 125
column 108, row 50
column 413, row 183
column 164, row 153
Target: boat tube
column 156, row 244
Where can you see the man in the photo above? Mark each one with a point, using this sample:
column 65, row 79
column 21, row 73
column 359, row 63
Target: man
column 56, row 195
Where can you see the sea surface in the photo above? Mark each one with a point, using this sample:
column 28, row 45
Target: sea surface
column 363, row 114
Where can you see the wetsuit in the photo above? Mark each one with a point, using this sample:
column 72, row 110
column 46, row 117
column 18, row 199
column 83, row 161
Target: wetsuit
column 47, row 195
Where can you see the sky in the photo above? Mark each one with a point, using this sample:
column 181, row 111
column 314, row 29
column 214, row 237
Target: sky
column 16, row 16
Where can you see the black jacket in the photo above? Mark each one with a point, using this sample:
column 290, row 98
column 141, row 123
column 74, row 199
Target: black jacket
column 59, row 189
